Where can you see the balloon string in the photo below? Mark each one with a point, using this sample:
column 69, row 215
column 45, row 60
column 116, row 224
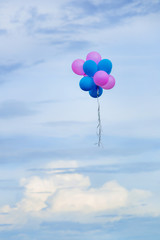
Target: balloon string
column 99, row 126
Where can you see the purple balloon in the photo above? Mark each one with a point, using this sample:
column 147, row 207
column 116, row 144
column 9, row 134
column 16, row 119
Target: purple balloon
column 110, row 84
column 77, row 66
column 101, row 78
column 95, row 56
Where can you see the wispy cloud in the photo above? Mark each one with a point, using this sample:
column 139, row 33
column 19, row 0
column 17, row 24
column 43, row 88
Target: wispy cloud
column 121, row 8
column 8, row 68
column 69, row 226
column 104, row 14
column 5, row 225
column 80, row 16
column 35, row 18
column 3, row 31
column 132, row 168
column 65, row 123
column 9, row 185
column 138, row 150
column 12, row 108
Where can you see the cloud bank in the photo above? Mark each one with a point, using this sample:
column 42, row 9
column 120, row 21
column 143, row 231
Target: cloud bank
column 71, row 196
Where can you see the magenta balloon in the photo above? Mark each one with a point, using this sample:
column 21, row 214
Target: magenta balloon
column 100, row 78
column 95, row 56
column 110, row 84
column 77, row 66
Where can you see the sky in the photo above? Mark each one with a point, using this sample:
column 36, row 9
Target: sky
column 55, row 182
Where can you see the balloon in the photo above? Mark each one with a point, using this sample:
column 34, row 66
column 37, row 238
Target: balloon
column 90, row 68
column 110, row 84
column 86, row 83
column 96, row 92
column 105, row 65
column 95, row 56
column 101, row 78
column 77, row 66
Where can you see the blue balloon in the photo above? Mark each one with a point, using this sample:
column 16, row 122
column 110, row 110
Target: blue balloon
column 96, row 91
column 90, row 68
column 105, row 65
column 86, row 83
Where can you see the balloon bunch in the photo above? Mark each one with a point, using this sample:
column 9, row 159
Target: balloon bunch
column 96, row 74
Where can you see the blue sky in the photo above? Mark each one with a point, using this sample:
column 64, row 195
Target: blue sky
column 55, row 183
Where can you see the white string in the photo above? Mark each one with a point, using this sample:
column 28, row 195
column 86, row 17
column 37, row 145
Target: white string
column 99, row 126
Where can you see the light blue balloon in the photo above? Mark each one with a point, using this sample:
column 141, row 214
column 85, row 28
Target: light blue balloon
column 90, row 68
column 105, row 65
column 86, row 83
column 96, row 91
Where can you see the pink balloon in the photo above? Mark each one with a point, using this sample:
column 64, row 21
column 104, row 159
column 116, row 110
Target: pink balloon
column 101, row 78
column 77, row 66
column 95, row 56
column 110, row 84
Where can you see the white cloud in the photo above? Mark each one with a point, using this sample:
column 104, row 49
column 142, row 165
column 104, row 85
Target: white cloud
column 61, row 166
column 110, row 196
column 71, row 196
column 38, row 190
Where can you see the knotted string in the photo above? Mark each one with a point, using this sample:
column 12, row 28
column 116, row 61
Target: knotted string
column 99, row 126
